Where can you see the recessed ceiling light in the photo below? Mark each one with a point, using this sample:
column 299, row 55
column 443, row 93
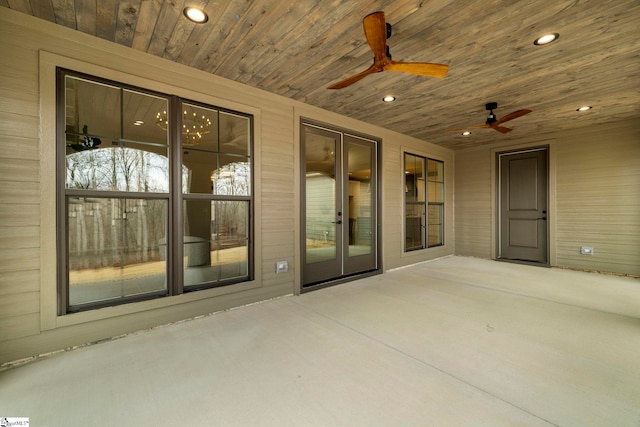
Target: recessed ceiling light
column 585, row 108
column 138, row 123
column 389, row 98
column 196, row 15
column 546, row 39
column 466, row 133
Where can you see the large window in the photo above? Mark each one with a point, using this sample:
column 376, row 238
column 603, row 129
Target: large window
column 154, row 194
column 424, row 202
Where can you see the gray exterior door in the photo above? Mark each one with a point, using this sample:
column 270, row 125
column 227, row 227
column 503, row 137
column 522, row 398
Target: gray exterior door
column 523, row 206
column 339, row 209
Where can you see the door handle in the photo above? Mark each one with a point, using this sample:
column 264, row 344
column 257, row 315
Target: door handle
column 544, row 218
column 340, row 220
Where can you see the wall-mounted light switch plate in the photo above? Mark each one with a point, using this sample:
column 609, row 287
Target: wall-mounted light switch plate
column 586, row 250
column 282, row 267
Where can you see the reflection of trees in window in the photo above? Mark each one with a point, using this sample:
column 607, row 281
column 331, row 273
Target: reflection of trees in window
column 122, row 196
column 233, row 179
column 118, row 169
column 112, row 232
column 230, row 216
column 230, row 223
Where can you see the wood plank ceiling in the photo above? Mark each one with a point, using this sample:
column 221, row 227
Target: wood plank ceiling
column 298, row 48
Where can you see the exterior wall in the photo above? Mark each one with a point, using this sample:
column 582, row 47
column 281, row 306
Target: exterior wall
column 594, row 197
column 598, row 199
column 29, row 324
column 473, row 203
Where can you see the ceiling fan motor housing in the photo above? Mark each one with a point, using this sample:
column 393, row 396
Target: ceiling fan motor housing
column 490, row 106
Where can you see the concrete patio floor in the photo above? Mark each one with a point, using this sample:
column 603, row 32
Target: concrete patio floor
column 452, row 342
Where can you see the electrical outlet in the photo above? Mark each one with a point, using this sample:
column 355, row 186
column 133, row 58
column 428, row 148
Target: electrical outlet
column 586, row 250
column 282, row 267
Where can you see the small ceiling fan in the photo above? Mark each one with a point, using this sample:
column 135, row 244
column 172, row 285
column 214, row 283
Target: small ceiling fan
column 493, row 123
column 377, row 31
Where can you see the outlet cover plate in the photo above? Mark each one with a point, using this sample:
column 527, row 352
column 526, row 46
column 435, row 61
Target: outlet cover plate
column 282, row 267
column 586, row 250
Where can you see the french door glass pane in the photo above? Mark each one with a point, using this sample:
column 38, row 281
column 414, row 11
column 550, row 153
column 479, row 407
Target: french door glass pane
column 116, row 248
column 320, row 198
column 215, row 241
column 360, row 201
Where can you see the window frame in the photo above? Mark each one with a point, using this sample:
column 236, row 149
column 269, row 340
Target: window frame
column 423, row 201
column 174, row 198
column 435, row 203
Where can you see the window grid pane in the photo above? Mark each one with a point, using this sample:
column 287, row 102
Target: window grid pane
column 436, row 225
column 414, row 224
column 116, row 248
column 115, row 179
column 215, row 241
column 424, row 223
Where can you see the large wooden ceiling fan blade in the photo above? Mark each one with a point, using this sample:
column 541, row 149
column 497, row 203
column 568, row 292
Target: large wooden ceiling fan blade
column 500, row 129
column 419, row 68
column 492, row 123
column 351, row 80
column 375, row 30
column 471, row 127
column 511, row 116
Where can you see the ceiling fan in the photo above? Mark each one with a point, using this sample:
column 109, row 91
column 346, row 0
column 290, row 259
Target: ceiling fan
column 493, row 123
column 377, row 31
